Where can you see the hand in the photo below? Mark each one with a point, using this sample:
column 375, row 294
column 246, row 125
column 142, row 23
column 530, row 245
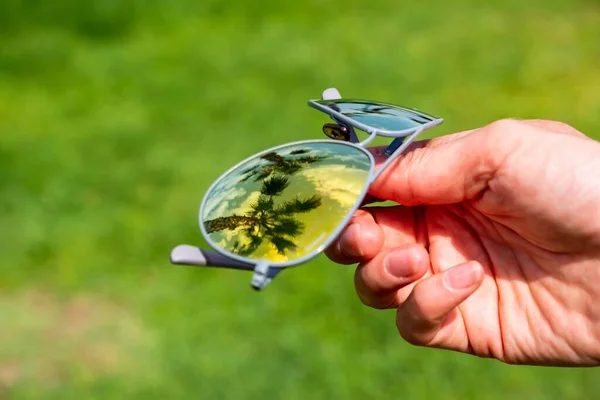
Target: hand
column 495, row 250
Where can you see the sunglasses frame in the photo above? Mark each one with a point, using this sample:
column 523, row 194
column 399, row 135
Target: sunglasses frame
column 339, row 117
column 264, row 270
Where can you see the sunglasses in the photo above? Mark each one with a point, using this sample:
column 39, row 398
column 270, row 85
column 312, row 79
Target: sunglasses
column 285, row 205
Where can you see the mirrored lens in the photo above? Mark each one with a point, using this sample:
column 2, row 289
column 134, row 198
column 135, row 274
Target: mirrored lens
column 382, row 116
column 283, row 205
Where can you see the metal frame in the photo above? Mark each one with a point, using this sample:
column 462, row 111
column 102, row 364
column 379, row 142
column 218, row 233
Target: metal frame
column 272, row 149
column 265, row 271
column 338, row 116
column 350, row 124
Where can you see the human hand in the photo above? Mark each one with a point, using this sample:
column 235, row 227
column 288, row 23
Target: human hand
column 495, row 250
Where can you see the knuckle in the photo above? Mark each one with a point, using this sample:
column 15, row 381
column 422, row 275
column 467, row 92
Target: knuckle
column 413, row 323
column 364, row 282
column 381, row 304
column 411, row 182
column 408, row 333
column 371, row 301
column 332, row 251
column 502, row 127
column 414, row 311
column 497, row 142
column 371, row 292
column 335, row 254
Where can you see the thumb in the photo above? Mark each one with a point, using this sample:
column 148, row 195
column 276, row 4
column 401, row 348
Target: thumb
column 444, row 170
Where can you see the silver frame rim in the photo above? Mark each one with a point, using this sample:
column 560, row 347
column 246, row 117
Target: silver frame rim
column 325, row 244
column 371, row 130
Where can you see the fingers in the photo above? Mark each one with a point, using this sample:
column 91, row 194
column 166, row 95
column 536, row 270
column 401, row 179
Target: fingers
column 431, row 307
column 390, row 244
column 378, row 151
column 375, row 229
column 380, row 282
column 439, row 171
column 362, row 239
column 456, row 167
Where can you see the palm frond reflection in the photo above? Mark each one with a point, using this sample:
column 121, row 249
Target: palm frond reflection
column 274, row 163
column 284, row 204
column 380, row 115
column 266, row 221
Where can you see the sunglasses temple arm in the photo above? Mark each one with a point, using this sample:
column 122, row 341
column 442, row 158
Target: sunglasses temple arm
column 395, row 154
column 185, row 254
column 394, row 146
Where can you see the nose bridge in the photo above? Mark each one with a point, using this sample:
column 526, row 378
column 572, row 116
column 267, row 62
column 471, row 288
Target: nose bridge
column 395, row 154
column 368, row 140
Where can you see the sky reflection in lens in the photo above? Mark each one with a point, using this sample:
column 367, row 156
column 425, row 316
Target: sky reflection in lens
column 379, row 115
column 285, row 204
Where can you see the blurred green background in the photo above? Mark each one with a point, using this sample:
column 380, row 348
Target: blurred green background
column 115, row 117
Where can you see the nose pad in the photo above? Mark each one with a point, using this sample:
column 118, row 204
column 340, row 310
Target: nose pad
column 336, row 132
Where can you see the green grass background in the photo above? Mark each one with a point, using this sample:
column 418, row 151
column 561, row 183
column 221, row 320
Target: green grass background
column 115, row 117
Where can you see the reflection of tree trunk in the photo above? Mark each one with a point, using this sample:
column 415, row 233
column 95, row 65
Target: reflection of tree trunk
column 265, row 221
column 231, row 222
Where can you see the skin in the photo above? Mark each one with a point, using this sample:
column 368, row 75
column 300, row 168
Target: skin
column 495, row 248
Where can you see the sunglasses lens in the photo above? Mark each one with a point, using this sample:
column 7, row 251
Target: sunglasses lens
column 284, row 204
column 382, row 116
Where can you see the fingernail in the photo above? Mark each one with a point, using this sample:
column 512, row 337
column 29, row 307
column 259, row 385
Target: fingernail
column 400, row 264
column 463, row 276
column 352, row 231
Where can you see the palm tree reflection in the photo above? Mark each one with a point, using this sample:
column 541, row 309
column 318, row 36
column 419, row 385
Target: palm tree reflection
column 267, row 221
column 274, row 163
column 359, row 109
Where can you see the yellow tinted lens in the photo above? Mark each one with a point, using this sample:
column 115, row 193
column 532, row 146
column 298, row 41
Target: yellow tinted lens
column 283, row 205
